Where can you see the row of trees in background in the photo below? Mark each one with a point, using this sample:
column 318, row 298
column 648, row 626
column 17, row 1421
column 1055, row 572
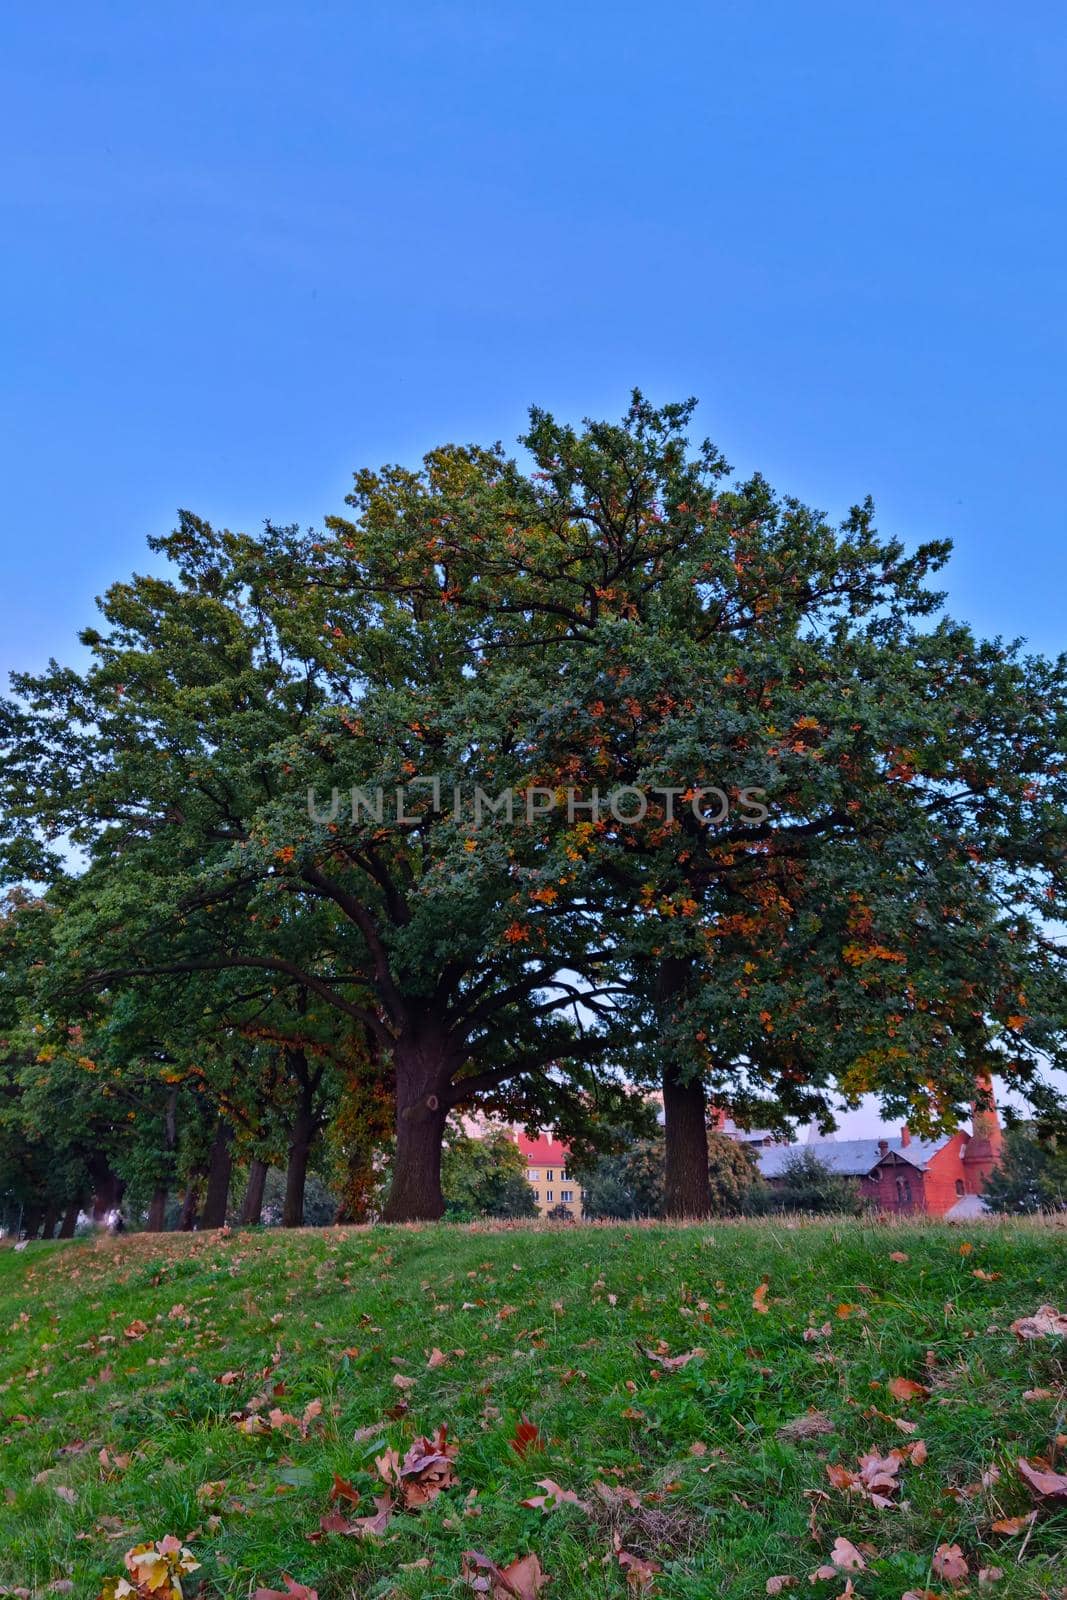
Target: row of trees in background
column 831, row 866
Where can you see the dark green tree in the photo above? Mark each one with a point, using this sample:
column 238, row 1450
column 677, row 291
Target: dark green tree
column 485, row 1177
column 1032, row 1174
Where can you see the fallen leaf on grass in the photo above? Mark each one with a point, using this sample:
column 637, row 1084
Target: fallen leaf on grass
column 65, row 1493
column 640, row 1574
column 777, row 1584
column 949, row 1563
column 526, row 1437
column 876, row 1479
column 425, row 1470
column 1046, row 1322
column 670, row 1363
column 155, row 1570
column 1038, row 1477
column 553, row 1497
column 371, row 1527
column 759, row 1299
column 292, row 1591
column 845, row 1556
column 341, row 1489
column 904, row 1389
column 1013, row 1525
column 521, row 1579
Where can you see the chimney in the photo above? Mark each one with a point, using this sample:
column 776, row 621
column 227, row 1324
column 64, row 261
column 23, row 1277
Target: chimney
column 883, row 1147
column 985, row 1123
column 905, row 1136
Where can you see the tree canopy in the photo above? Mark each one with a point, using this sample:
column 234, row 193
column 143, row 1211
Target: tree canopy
column 522, row 781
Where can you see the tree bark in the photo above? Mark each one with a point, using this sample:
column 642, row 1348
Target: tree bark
column 190, row 1201
column 423, row 1072
column 219, row 1173
column 70, row 1220
column 686, row 1185
column 32, row 1218
column 300, row 1142
column 108, row 1189
column 157, row 1210
column 51, row 1217
column 252, row 1204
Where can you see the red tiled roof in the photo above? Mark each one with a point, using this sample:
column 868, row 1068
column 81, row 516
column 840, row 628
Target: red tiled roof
column 544, row 1151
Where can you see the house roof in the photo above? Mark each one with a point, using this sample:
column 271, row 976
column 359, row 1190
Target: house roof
column 544, row 1151
column 971, row 1205
column 849, row 1158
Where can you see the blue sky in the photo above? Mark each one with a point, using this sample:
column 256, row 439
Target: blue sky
column 249, row 247
column 252, row 246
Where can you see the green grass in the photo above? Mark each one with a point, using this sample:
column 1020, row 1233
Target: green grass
column 549, row 1323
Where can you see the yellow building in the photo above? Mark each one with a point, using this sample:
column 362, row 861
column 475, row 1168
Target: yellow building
column 547, row 1175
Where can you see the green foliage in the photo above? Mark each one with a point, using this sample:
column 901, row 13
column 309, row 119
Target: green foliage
column 809, row 1185
column 630, row 1183
column 1032, row 1175
column 485, row 1177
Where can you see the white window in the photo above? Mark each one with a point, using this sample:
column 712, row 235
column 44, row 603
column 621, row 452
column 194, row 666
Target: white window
column 548, row 1174
column 533, row 1174
column 563, row 1177
column 566, row 1195
column 548, row 1196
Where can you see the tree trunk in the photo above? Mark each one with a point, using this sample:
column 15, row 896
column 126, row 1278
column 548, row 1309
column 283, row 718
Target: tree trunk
column 686, row 1186
column 51, row 1217
column 157, row 1211
column 252, row 1204
column 300, row 1142
column 108, row 1189
column 32, row 1218
column 219, row 1174
column 422, row 1075
column 190, row 1201
column 70, row 1220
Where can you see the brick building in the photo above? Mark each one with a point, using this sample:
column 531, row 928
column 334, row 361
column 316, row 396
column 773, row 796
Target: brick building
column 546, row 1173
column 941, row 1177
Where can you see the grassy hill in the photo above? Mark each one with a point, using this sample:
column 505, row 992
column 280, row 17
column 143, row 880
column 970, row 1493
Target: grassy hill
column 138, row 1377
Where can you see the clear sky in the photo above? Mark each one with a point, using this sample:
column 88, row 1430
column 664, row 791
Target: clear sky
column 250, row 246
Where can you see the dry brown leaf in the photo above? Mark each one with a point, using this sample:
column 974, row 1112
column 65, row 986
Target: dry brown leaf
column 292, row 1591
column 777, row 1584
column 759, row 1299
column 949, row 1563
column 904, row 1389
column 1013, row 1525
column 425, row 1470
column 672, row 1363
column 521, row 1579
column 1039, row 1478
column 640, row 1574
column 845, row 1556
column 1045, row 1323
column 526, row 1437
column 553, row 1497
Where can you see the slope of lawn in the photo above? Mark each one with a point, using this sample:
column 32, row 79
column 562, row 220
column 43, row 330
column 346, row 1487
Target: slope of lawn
column 130, row 1370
